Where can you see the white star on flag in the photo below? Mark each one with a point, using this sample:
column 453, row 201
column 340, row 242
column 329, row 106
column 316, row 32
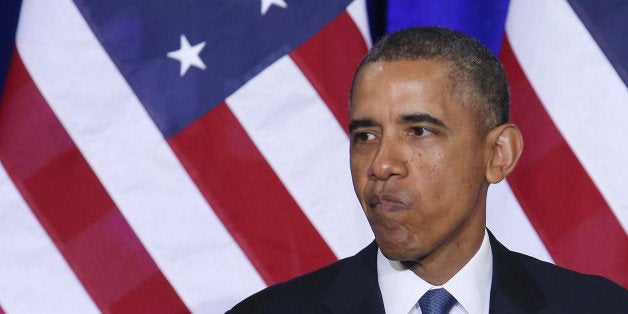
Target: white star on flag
column 267, row 3
column 188, row 55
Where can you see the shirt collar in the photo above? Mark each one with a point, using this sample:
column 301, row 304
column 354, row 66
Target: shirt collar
column 471, row 286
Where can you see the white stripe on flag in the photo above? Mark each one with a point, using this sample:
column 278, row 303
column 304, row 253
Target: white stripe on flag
column 131, row 158
column 579, row 88
column 35, row 277
column 508, row 222
column 307, row 148
column 359, row 14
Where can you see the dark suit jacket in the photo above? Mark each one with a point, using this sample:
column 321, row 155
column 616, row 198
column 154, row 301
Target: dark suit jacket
column 520, row 284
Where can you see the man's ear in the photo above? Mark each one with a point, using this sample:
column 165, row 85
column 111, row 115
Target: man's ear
column 504, row 145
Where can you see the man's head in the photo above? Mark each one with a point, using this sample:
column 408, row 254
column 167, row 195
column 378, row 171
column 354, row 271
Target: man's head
column 423, row 151
column 475, row 74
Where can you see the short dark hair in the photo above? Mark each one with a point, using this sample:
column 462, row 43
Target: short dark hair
column 476, row 73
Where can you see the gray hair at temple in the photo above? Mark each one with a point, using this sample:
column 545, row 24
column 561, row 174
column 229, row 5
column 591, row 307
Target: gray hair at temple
column 476, row 74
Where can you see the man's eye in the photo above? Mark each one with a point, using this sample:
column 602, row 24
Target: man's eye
column 363, row 136
column 419, row 131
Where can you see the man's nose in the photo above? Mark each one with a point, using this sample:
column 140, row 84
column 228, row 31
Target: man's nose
column 389, row 161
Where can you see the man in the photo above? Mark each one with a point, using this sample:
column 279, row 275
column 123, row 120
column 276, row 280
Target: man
column 429, row 133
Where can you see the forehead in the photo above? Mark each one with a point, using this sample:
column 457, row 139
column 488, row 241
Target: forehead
column 402, row 87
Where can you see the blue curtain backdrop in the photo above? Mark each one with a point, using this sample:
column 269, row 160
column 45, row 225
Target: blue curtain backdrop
column 9, row 11
column 482, row 19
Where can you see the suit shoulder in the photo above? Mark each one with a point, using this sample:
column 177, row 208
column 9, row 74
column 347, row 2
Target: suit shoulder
column 565, row 285
column 298, row 295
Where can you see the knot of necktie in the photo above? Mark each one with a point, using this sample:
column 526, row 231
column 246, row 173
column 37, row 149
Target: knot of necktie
column 436, row 301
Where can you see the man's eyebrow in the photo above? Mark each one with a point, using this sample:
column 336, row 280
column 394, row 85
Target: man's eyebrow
column 360, row 123
column 421, row 117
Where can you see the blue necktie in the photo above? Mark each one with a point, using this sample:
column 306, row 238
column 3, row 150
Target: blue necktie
column 436, row 301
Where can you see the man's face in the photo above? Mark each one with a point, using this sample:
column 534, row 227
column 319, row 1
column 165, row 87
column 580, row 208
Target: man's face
column 418, row 161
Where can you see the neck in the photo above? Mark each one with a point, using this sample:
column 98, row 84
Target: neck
column 440, row 266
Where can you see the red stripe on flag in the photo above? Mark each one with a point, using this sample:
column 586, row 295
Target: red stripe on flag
column 329, row 60
column 249, row 199
column 73, row 207
column 563, row 204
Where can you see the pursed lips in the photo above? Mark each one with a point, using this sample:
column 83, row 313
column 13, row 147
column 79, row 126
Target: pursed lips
column 387, row 202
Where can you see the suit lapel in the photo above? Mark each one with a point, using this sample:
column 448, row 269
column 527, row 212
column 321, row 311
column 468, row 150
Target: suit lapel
column 512, row 288
column 355, row 289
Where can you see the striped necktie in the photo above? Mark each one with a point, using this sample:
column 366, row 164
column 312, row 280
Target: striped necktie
column 436, row 301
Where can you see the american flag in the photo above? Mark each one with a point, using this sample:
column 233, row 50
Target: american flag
column 177, row 156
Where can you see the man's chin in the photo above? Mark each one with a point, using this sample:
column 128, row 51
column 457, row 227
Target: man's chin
column 399, row 252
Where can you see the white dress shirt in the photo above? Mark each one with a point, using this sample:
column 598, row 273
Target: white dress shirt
column 471, row 286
